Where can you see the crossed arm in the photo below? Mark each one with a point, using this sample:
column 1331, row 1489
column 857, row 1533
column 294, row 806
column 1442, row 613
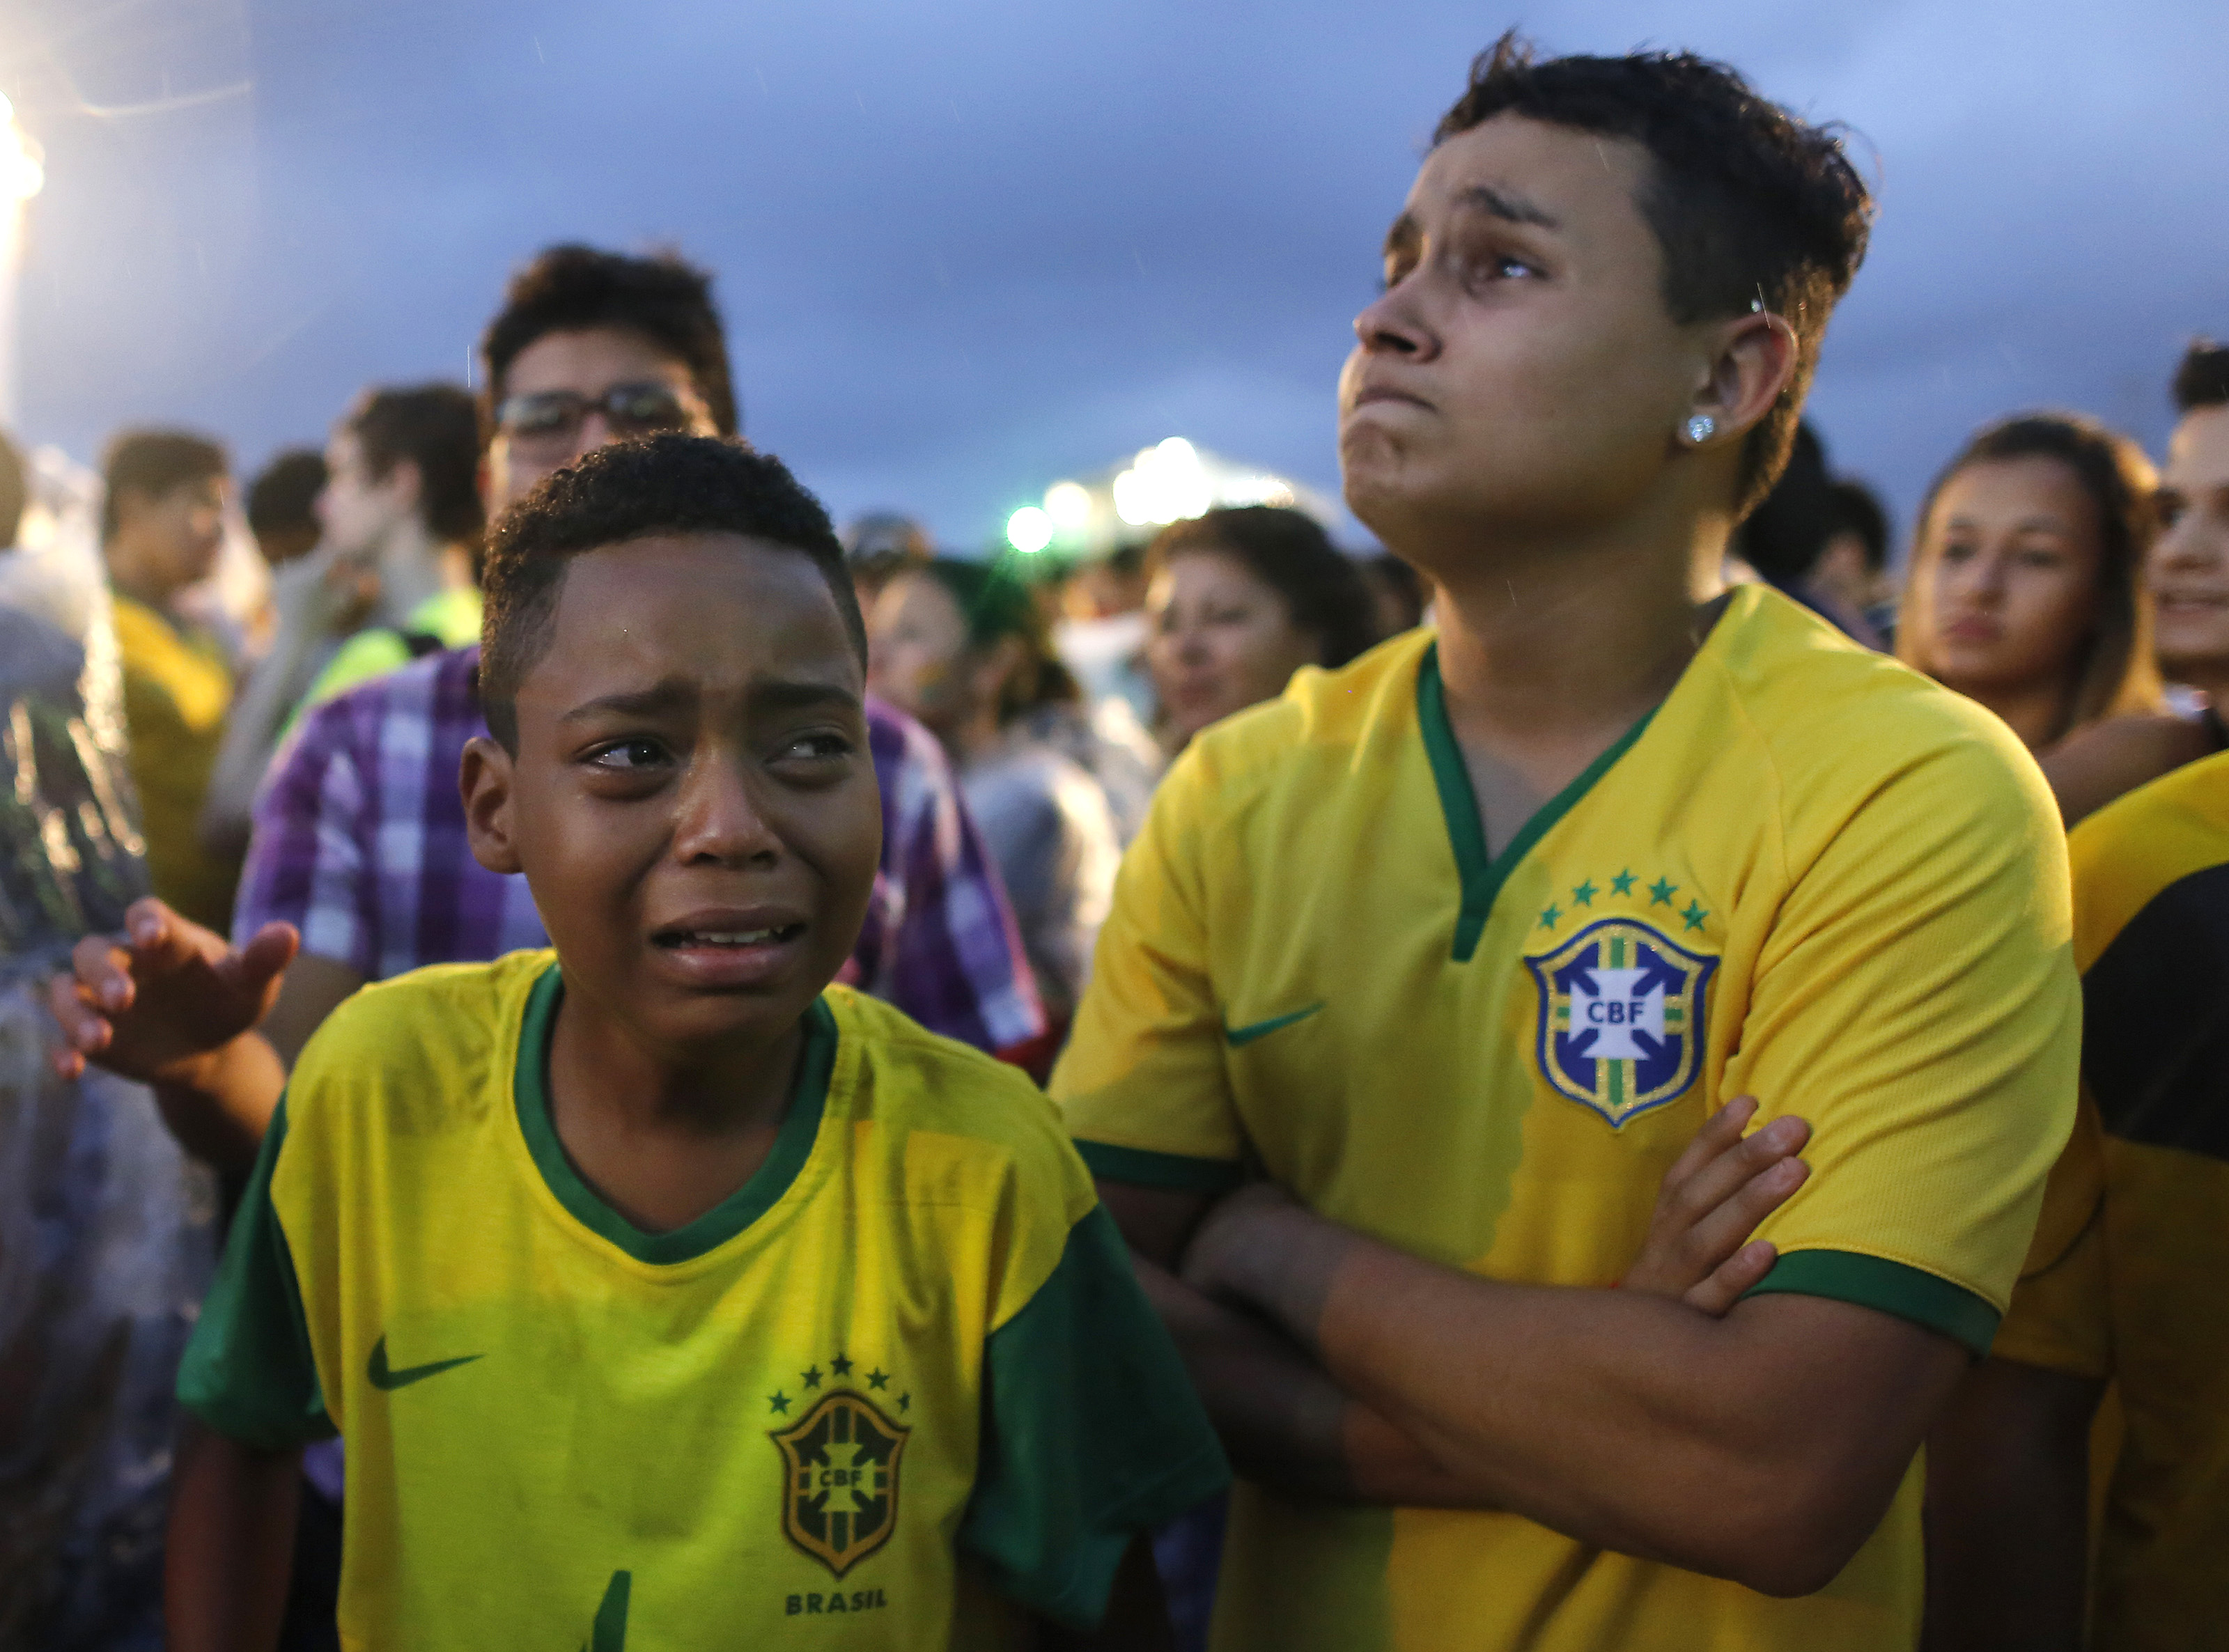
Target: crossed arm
column 1759, row 1440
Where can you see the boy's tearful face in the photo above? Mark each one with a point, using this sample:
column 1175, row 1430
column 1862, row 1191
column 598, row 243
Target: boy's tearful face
column 693, row 801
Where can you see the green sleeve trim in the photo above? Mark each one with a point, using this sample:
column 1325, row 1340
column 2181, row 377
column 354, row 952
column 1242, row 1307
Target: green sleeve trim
column 1891, row 1287
column 1174, row 1172
column 1092, row 1434
column 248, row 1371
column 1480, row 873
column 800, row 1128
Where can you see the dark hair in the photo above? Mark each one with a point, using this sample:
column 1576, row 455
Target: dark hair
column 670, row 483
column 997, row 604
column 573, row 288
column 1858, row 510
column 1784, row 537
column 2202, row 378
column 15, row 491
column 283, row 497
column 1748, row 204
column 2116, row 671
column 436, row 427
column 151, row 463
column 1287, row 551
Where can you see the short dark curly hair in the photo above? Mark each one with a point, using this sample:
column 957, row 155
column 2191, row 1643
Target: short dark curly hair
column 571, row 288
column 2201, row 380
column 1747, row 203
column 667, row 484
column 1289, row 551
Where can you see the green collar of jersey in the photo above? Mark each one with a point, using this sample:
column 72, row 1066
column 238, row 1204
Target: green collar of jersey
column 732, row 1214
column 1483, row 874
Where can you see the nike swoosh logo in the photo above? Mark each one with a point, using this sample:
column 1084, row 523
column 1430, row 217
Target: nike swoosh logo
column 387, row 1380
column 1236, row 1036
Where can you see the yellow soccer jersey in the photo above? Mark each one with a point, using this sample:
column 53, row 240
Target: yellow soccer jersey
column 1810, row 875
column 2126, row 1278
column 177, row 690
column 905, row 1369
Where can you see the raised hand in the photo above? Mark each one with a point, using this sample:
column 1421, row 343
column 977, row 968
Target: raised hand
column 159, row 1002
column 1698, row 1247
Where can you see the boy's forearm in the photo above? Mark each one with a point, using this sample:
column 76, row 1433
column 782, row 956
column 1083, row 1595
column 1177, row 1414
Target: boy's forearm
column 230, row 1546
column 1762, row 1447
column 220, row 1105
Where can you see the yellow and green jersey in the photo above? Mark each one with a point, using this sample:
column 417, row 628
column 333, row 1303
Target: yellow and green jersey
column 2125, row 1280
column 901, row 1377
column 1809, row 875
column 178, row 688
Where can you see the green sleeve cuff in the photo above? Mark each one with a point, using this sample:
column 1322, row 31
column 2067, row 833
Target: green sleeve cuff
column 1888, row 1287
column 1173, row 1172
column 1092, row 1435
column 248, row 1371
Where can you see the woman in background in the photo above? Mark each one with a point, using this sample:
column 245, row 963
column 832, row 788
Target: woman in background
column 962, row 647
column 1238, row 601
column 2026, row 593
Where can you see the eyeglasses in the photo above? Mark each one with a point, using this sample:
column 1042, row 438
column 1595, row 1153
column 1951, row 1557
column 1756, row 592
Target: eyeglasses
column 546, row 424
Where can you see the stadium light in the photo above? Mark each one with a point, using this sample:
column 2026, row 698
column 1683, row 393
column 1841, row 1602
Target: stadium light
column 1069, row 504
column 1028, row 531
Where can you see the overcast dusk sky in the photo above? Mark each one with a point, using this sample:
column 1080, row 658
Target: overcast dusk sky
column 966, row 249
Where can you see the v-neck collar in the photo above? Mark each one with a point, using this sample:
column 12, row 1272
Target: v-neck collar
column 1481, row 872
column 793, row 1145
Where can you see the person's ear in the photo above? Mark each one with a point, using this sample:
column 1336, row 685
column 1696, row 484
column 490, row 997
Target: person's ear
column 1750, row 361
column 487, row 779
column 406, row 483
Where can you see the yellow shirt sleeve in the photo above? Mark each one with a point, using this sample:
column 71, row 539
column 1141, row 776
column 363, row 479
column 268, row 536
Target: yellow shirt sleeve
column 1916, row 1001
column 1143, row 1083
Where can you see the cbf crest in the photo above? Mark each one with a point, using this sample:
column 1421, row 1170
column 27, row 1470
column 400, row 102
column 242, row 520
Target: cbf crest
column 840, row 1486
column 1620, row 1027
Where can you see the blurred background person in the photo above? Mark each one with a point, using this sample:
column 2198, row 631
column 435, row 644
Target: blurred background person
column 391, row 578
column 282, row 506
column 961, row 647
column 162, row 526
column 1793, row 531
column 1101, row 629
column 402, row 502
column 2189, row 570
column 2025, row 590
column 2186, row 574
column 1853, row 571
column 879, row 546
column 1397, row 596
column 1239, row 600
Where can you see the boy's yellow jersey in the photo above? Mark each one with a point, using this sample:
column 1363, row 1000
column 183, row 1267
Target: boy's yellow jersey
column 1810, row 875
column 2125, row 1281
column 903, row 1371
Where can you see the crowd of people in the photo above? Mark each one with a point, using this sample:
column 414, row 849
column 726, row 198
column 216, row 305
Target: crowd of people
column 1576, row 1046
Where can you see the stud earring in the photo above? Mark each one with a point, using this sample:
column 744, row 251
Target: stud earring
column 1700, row 429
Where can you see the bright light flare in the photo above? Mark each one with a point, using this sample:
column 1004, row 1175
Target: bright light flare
column 1028, row 531
column 22, row 165
column 1166, row 484
column 1069, row 504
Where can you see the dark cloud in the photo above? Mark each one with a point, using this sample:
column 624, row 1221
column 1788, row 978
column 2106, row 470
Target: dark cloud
column 966, row 249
